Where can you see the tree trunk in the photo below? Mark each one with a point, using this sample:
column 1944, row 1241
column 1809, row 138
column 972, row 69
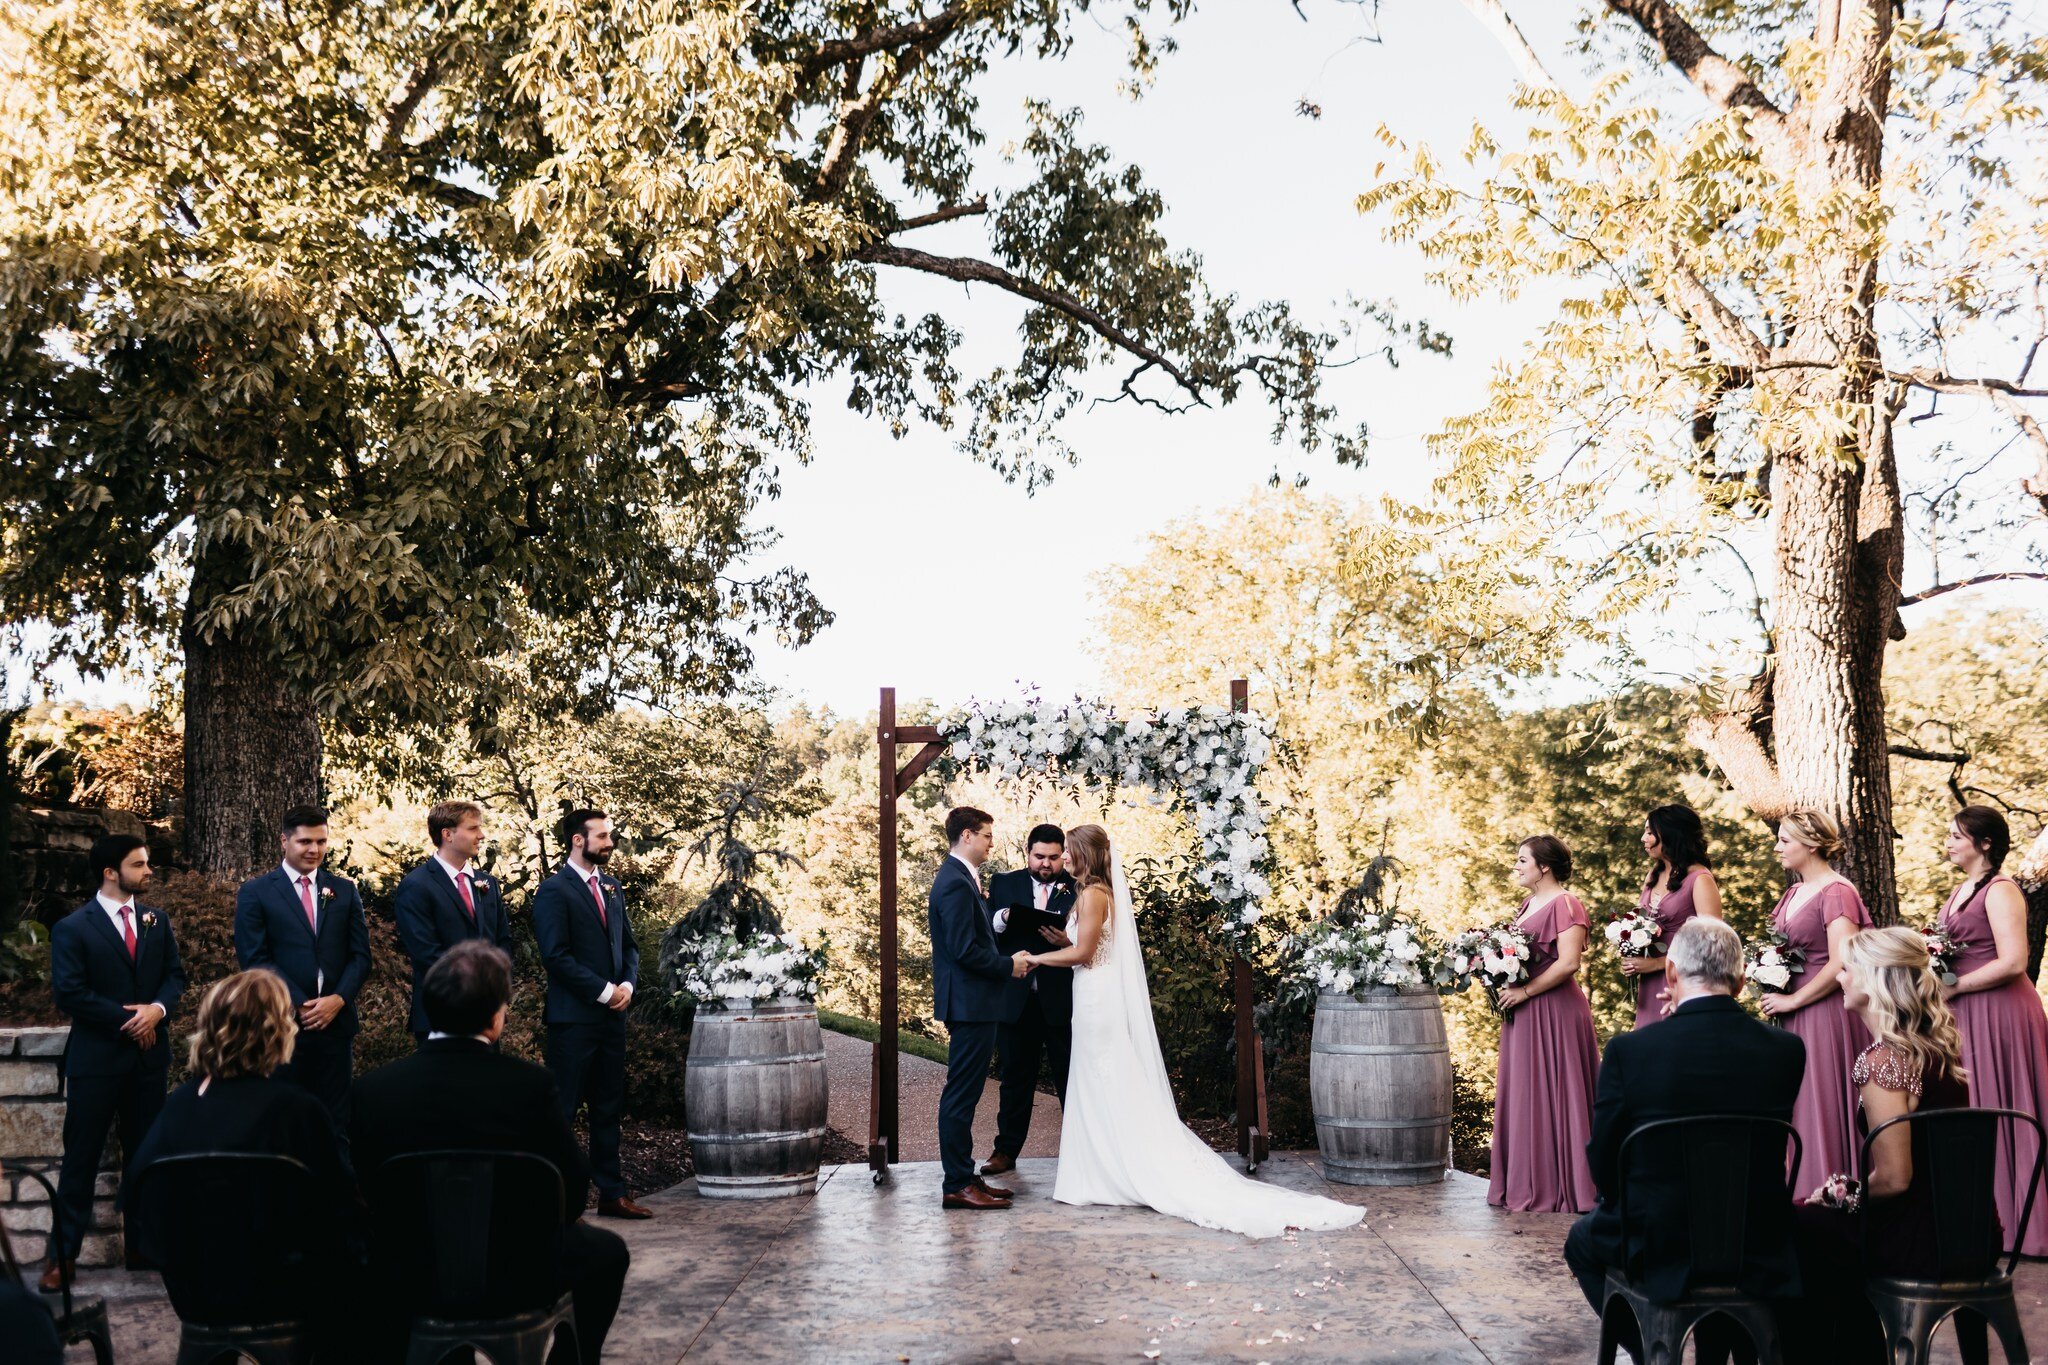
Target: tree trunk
column 1840, row 546
column 252, row 751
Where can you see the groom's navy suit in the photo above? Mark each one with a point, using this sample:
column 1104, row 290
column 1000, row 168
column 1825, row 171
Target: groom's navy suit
column 974, row 990
column 1045, row 1025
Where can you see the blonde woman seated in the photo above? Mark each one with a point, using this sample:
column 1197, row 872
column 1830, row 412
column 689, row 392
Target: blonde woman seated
column 1914, row 1064
column 234, row 1102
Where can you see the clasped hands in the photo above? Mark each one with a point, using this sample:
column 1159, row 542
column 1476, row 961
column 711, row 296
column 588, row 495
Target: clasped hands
column 142, row 1022
column 1024, row 962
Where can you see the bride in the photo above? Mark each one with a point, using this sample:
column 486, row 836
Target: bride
column 1122, row 1141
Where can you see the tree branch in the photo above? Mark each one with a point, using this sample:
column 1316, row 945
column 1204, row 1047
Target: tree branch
column 1715, row 320
column 969, row 271
column 1926, row 755
column 944, row 215
column 407, row 102
column 1738, row 742
column 1940, row 589
column 839, row 51
column 1494, row 15
column 1719, row 79
column 1939, row 382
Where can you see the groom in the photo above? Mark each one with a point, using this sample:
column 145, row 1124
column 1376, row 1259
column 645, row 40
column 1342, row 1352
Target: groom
column 975, row 989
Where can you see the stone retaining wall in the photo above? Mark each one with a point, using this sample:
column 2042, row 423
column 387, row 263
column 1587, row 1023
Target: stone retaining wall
column 50, row 848
column 32, row 1135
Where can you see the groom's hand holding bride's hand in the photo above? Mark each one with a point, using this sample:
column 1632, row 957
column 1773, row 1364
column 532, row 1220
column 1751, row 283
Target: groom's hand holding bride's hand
column 1021, row 964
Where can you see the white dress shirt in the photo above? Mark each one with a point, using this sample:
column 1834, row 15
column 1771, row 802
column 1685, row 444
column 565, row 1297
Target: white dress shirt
column 292, row 875
column 113, row 910
column 1041, row 896
column 584, row 874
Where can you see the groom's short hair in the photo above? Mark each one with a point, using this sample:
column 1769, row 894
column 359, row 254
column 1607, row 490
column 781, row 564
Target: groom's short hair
column 1045, row 834
column 960, row 819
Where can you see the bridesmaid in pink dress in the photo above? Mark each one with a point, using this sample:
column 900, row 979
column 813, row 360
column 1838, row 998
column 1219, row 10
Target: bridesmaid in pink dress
column 2005, row 1032
column 1680, row 885
column 1820, row 913
column 1549, row 1057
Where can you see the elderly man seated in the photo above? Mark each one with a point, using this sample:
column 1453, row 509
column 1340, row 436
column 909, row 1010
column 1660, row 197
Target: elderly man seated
column 1706, row 1057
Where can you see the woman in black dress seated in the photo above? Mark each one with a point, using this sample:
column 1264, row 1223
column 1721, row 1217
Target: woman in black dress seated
column 1915, row 1064
column 235, row 1103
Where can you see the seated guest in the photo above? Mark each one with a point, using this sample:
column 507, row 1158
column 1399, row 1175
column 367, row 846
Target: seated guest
column 1707, row 1057
column 1914, row 1064
column 27, row 1328
column 458, row 1091
column 236, row 1102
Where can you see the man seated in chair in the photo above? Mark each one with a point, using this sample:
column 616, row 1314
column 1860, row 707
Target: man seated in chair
column 458, row 1091
column 1706, row 1057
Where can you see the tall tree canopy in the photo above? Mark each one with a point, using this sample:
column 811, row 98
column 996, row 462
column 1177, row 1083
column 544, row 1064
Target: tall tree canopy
column 1779, row 232
column 360, row 349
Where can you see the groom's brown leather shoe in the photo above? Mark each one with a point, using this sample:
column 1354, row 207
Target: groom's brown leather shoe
column 993, row 1191
column 973, row 1198
column 1002, row 1163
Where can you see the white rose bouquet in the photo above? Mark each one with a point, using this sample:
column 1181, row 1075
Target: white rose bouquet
column 1636, row 934
column 1943, row 949
column 763, row 966
column 1496, row 958
column 1771, row 964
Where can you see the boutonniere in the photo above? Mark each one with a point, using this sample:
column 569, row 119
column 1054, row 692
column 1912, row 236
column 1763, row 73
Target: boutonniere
column 483, row 883
column 607, row 883
column 147, row 919
column 326, row 893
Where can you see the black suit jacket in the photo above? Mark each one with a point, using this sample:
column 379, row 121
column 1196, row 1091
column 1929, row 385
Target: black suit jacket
column 431, row 920
column 583, row 952
column 92, row 978
column 972, row 981
column 1708, row 1057
column 458, row 1092
column 1014, row 891
column 271, row 931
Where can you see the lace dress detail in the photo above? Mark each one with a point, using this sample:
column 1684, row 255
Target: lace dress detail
column 1879, row 1063
column 1101, row 954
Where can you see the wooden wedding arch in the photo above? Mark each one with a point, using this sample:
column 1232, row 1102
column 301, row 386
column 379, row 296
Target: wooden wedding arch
column 1253, row 1137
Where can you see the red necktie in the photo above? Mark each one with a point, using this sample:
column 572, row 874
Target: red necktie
column 598, row 895
column 468, row 901
column 306, row 899
column 128, row 932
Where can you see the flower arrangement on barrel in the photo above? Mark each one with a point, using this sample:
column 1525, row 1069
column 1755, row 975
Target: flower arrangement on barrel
column 755, row 1086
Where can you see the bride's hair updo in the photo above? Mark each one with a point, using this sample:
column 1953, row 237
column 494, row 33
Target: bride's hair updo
column 1088, row 850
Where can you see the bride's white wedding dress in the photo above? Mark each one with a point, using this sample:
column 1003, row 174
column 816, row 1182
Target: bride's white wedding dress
column 1122, row 1141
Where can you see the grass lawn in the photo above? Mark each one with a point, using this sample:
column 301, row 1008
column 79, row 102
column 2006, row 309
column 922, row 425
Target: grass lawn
column 906, row 1041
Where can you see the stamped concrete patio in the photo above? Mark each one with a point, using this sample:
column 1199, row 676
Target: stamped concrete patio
column 860, row 1273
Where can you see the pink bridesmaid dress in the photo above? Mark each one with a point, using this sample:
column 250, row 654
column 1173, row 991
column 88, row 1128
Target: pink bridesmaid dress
column 1549, row 1058
column 2005, row 1050
column 1825, row 1112
column 1671, row 909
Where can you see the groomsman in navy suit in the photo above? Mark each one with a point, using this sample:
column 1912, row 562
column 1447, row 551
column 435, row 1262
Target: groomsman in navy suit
column 114, row 969
column 586, row 944
column 446, row 899
column 307, row 925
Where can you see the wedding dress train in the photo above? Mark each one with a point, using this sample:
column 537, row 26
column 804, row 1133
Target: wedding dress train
column 1122, row 1141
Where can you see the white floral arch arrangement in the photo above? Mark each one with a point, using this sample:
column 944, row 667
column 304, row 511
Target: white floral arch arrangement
column 1204, row 760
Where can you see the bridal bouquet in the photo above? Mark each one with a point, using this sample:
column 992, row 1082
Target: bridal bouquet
column 1943, row 949
column 1496, row 958
column 1636, row 934
column 1771, row 964
column 725, row 967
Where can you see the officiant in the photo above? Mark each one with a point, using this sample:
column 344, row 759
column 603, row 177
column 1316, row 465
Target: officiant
column 1030, row 910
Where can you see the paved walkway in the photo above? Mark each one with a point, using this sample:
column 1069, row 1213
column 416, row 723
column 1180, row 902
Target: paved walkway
column 861, row 1273
column 919, row 1080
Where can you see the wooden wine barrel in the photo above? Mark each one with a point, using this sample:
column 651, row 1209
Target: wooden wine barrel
column 755, row 1092
column 1379, row 1081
